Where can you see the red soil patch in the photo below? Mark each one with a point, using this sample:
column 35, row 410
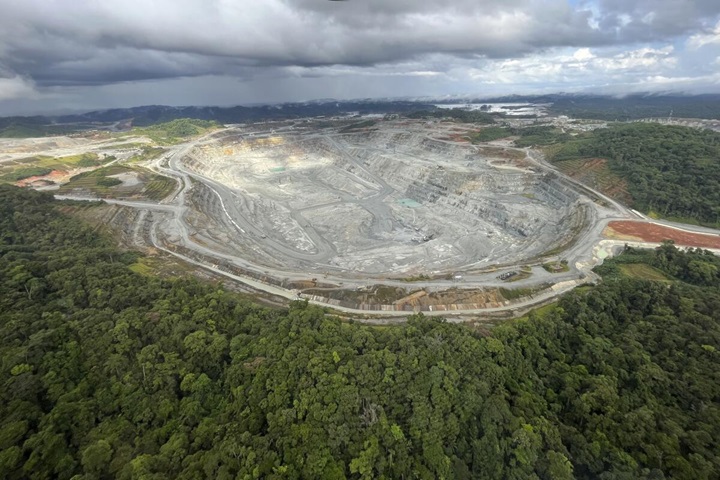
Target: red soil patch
column 53, row 177
column 504, row 153
column 595, row 173
column 650, row 232
column 456, row 137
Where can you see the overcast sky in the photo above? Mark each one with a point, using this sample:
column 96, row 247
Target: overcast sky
column 71, row 55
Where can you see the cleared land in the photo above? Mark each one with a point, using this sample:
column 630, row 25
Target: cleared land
column 654, row 233
column 119, row 181
column 642, row 271
column 47, row 163
column 595, row 173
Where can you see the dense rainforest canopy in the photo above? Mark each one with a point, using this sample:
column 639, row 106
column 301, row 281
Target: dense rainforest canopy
column 673, row 171
column 632, row 107
column 109, row 374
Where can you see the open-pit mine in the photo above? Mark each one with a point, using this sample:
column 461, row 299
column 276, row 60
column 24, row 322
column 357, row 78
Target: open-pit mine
column 389, row 202
column 364, row 215
column 390, row 216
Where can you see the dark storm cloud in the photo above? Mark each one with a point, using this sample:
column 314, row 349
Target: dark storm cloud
column 124, row 64
column 79, row 53
column 85, row 42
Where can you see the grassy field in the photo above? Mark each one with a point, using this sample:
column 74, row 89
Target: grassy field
column 20, row 169
column 162, row 265
column 642, row 271
column 176, row 131
column 540, row 312
column 82, row 160
column 22, row 173
column 556, row 267
column 142, row 268
column 148, row 153
column 358, row 126
column 149, row 185
column 489, row 134
column 500, row 152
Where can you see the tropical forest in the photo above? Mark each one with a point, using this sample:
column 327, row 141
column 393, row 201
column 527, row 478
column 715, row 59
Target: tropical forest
column 107, row 373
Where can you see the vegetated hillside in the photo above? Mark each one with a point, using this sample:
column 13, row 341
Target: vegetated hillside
column 488, row 134
column 39, row 126
column 28, row 127
column 43, row 165
column 629, row 107
column 150, row 115
column 530, row 136
column 633, row 107
column 671, row 171
column 103, row 183
column 109, row 374
column 577, row 106
column 464, row 116
column 539, row 135
column 177, row 130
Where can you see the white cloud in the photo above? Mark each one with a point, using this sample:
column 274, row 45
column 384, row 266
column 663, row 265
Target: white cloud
column 646, row 59
column 701, row 39
column 583, row 54
column 16, row 87
column 577, row 67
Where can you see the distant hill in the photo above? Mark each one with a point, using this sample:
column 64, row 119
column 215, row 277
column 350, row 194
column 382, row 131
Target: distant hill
column 578, row 106
column 154, row 114
column 630, row 107
column 150, row 115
